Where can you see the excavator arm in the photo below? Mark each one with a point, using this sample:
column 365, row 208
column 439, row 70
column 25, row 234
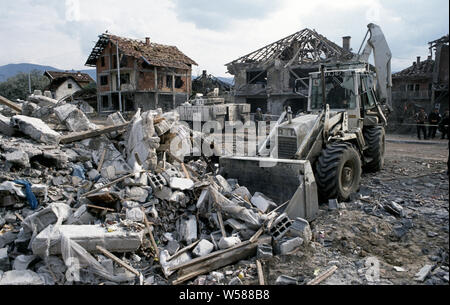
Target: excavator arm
column 382, row 58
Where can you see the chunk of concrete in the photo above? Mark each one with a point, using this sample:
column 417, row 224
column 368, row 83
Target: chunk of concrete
column 333, row 204
column 228, row 242
column 5, row 264
column 180, row 259
column 187, row 229
column 77, row 121
column 135, row 214
column 203, row 248
column 243, row 192
column 21, row 277
column 164, row 193
column 81, row 217
column 173, row 246
column 42, row 219
column 264, row 251
column 18, row 157
column 41, row 100
column 88, row 236
column 5, row 126
column 300, row 227
column 223, row 183
column 286, row 280
column 23, row 261
column 263, row 203
column 137, row 194
column 203, row 199
column 40, row 190
column 181, row 184
column 36, row 129
column 423, row 273
column 290, row 245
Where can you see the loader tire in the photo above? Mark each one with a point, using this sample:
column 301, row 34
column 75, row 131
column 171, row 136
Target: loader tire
column 376, row 141
column 338, row 172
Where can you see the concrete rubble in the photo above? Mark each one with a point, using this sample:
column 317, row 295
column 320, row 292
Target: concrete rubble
column 126, row 192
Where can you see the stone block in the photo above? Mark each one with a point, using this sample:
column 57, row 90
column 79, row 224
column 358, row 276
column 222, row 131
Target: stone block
column 203, row 248
column 36, row 129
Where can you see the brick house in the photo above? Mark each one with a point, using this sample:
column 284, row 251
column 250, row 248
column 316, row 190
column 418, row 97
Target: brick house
column 151, row 75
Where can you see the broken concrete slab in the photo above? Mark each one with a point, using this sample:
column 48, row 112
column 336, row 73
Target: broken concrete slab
column 42, row 219
column 290, row 245
column 423, row 273
column 81, row 217
column 5, row 264
column 223, row 183
column 88, row 237
column 137, row 194
column 187, row 228
column 21, row 277
column 23, row 261
column 5, row 126
column 264, row 251
column 286, row 280
column 181, row 183
column 18, row 157
column 74, row 119
column 135, row 214
column 262, row 202
column 300, row 227
column 203, row 248
column 42, row 100
column 36, row 129
column 178, row 260
column 243, row 192
column 228, row 242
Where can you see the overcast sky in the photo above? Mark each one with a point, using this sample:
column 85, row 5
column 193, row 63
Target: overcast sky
column 213, row 33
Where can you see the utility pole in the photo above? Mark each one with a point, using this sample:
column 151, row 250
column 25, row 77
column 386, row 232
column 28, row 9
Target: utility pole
column 118, row 77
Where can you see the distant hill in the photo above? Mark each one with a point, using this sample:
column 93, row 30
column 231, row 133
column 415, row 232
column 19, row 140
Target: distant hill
column 11, row 70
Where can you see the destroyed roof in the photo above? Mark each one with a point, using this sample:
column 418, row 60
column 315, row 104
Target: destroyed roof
column 305, row 46
column 153, row 53
column 421, row 69
column 77, row 76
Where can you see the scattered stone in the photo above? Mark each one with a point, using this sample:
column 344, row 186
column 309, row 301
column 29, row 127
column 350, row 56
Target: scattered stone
column 5, row 264
column 228, row 242
column 399, row 269
column 18, row 157
column 36, row 129
column 423, row 273
column 181, row 183
column 263, row 203
column 187, row 229
column 300, row 227
column 173, row 246
column 203, row 248
column 286, row 280
column 264, row 251
column 23, row 261
column 21, row 277
column 290, row 245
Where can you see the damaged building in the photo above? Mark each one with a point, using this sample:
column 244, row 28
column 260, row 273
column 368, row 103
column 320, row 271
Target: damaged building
column 423, row 84
column 136, row 74
column 66, row 83
column 206, row 83
column 266, row 78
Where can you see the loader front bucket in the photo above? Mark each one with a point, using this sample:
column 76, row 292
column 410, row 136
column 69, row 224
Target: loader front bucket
column 280, row 179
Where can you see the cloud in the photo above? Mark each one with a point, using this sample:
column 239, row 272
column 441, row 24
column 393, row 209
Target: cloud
column 213, row 33
column 218, row 15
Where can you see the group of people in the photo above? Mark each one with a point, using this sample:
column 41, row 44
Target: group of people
column 433, row 120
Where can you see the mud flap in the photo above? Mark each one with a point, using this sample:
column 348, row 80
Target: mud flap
column 280, row 179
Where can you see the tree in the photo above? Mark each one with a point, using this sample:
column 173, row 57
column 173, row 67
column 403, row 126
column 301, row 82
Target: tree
column 16, row 87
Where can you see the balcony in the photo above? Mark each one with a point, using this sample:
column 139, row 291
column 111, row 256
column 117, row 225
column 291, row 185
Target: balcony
column 411, row 95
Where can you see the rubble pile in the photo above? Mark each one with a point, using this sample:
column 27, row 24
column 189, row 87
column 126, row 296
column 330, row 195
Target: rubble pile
column 90, row 205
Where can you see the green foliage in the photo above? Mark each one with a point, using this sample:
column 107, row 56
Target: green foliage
column 16, row 87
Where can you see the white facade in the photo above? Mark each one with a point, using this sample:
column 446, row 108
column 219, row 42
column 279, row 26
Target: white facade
column 68, row 87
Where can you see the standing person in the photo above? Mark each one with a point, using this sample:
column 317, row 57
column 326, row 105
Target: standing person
column 421, row 118
column 443, row 125
column 434, row 118
column 258, row 118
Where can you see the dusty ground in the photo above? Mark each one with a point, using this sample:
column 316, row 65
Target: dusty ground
column 415, row 177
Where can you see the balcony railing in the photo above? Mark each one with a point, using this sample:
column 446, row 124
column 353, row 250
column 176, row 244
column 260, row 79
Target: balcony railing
column 421, row 94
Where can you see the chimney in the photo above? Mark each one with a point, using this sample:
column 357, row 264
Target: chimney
column 147, row 40
column 418, row 59
column 346, row 42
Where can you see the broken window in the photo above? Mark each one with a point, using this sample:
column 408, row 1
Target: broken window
column 103, row 61
column 257, row 77
column 114, row 61
column 104, row 80
column 105, row 102
column 124, row 61
column 69, row 86
column 178, row 82
column 125, row 78
column 169, row 81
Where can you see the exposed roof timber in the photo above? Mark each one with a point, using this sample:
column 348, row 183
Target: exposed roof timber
column 312, row 47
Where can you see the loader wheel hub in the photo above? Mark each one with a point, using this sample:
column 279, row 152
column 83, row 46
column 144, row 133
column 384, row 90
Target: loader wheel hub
column 347, row 175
